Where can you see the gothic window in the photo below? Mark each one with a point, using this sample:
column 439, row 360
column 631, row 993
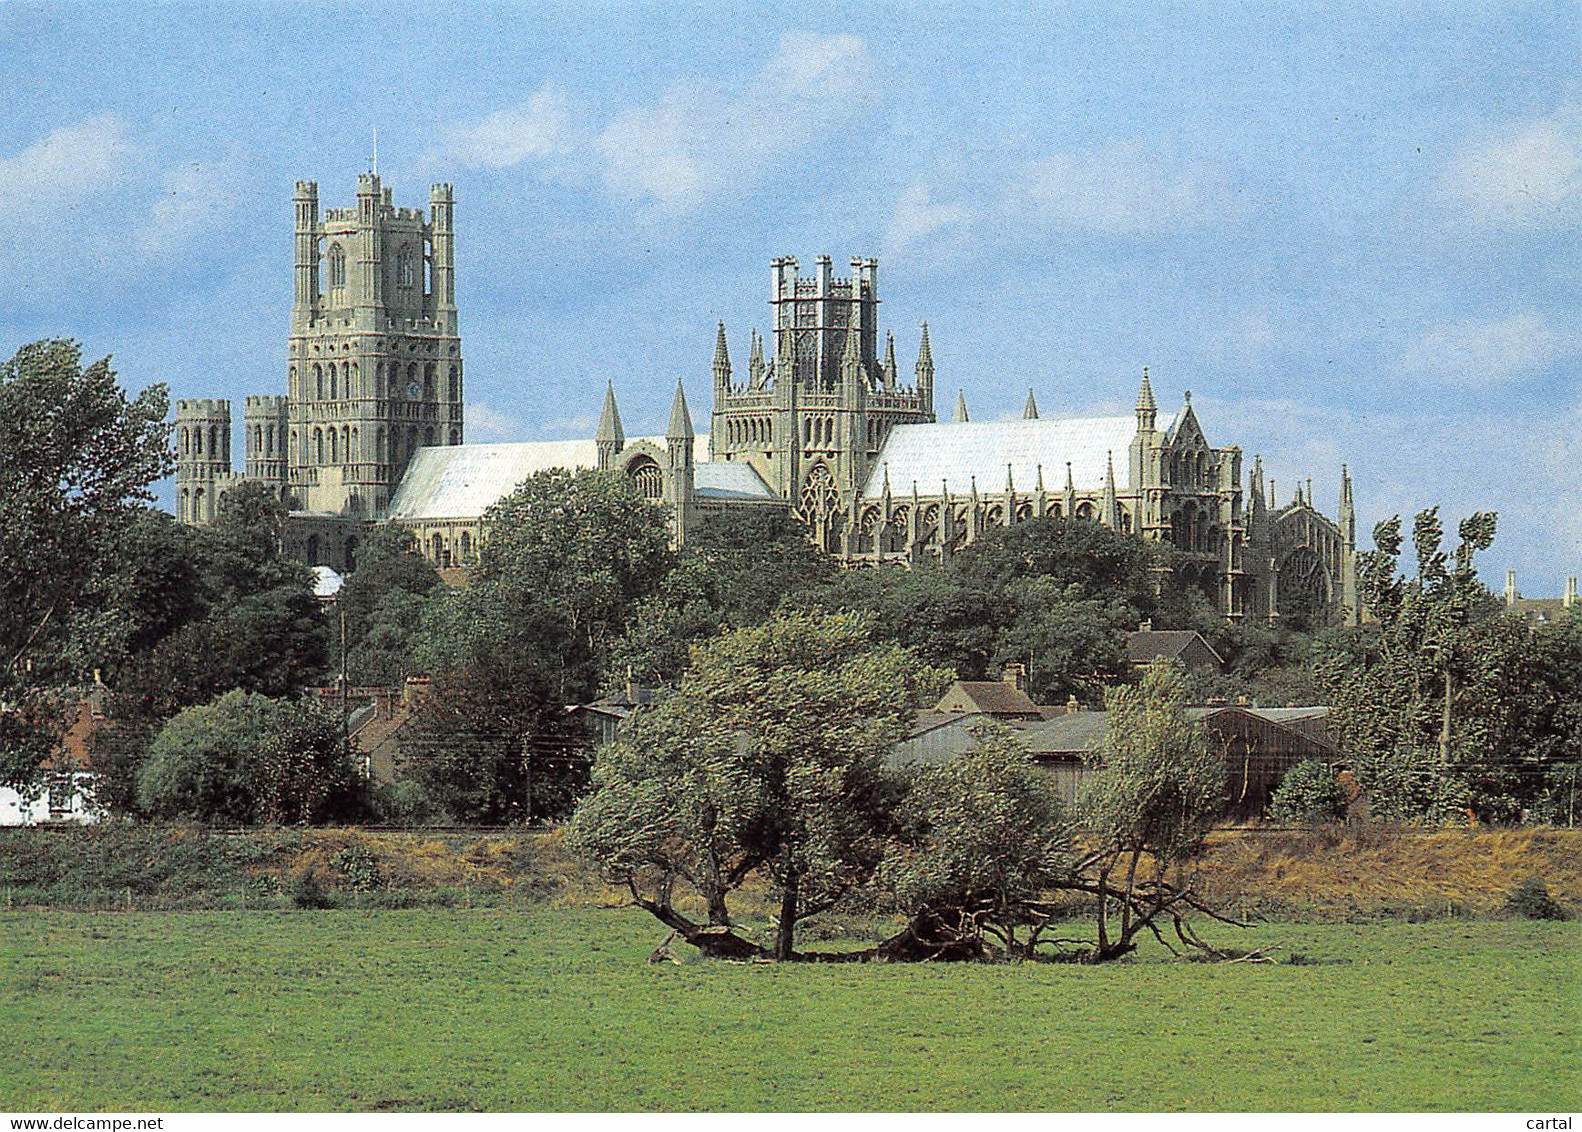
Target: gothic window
column 186, row 442
column 404, row 267
column 649, row 479
column 269, row 436
column 428, row 382
column 819, row 507
column 351, row 553
column 318, row 382
column 334, row 386
column 455, row 436
column 1085, row 511
column 351, row 381
column 428, row 436
column 455, row 384
column 337, row 266
column 440, row 555
column 197, row 506
column 351, row 448
column 411, row 380
column 214, row 442
column 334, row 455
column 466, row 547
column 184, row 507
column 379, row 445
column 313, row 550
column 318, row 446
column 1056, row 511
column 294, row 447
column 411, row 441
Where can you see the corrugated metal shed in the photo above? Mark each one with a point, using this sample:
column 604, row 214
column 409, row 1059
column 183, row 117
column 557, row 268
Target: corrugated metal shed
column 955, row 452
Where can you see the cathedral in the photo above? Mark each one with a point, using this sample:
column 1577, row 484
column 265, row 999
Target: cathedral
column 371, row 430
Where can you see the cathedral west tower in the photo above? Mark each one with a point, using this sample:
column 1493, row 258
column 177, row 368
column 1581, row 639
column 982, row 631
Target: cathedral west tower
column 375, row 350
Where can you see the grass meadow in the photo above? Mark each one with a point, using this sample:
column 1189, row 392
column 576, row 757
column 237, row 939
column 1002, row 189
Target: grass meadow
column 556, row 1007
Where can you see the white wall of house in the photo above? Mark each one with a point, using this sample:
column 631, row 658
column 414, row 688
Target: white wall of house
column 59, row 798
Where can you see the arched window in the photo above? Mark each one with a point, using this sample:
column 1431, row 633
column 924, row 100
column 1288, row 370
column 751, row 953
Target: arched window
column 295, row 447
column 184, row 506
column 404, row 267
column 318, row 382
column 269, row 440
column 318, row 446
column 428, row 382
column 347, row 437
column 186, row 442
column 197, row 506
column 411, row 441
column 649, row 479
column 379, row 379
column 214, row 442
column 337, row 268
column 466, row 547
column 455, row 436
column 455, row 384
column 379, row 445
column 438, row 553
column 334, row 455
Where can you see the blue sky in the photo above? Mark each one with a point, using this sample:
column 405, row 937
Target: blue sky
column 1350, row 230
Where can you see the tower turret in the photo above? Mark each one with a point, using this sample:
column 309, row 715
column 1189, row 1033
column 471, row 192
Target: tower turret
column 203, row 457
column 679, row 483
column 891, row 375
column 609, row 439
column 266, row 424
column 722, row 365
column 755, row 363
column 1350, row 598
column 1030, row 410
column 925, row 373
column 961, row 407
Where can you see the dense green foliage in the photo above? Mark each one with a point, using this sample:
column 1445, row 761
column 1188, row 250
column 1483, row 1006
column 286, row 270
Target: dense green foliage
column 1450, row 708
column 77, row 458
column 247, row 759
column 768, row 758
column 1308, row 794
column 382, row 602
column 554, row 1009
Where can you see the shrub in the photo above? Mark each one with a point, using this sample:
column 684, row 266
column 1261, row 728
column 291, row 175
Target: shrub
column 1308, row 795
column 1531, row 901
column 307, row 892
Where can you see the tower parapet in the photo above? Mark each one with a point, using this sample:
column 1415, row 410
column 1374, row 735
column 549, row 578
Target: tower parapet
column 203, row 457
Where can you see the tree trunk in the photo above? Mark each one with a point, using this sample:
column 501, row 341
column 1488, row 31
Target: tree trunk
column 786, row 933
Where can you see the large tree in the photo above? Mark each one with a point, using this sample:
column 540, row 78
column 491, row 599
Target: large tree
column 768, row 757
column 77, row 458
column 1155, row 790
column 581, row 549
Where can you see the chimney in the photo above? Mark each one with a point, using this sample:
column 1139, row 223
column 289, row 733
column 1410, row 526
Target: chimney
column 1571, row 592
column 1510, row 588
column 1015, row 674
column 631, row 686
column 1146, row 625
column 1072, row 707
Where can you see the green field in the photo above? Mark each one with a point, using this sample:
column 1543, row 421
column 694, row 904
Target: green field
column 557, row 1008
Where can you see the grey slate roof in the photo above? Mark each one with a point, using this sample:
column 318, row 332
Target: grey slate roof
column 461, row 481
column 725, row 480
column 1145, row 645
column 956, row 452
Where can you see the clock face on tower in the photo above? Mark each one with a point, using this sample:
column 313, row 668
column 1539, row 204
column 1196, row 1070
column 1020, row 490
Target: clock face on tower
column 411, row 391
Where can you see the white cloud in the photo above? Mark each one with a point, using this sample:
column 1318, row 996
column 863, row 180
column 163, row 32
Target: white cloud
column 1122, row 188
column 1485, row 352
column 65, row 166
column 540, row 127
column 193, row 200
column 1526, row 173
column 487, row 423
column 916, row 217
column 698, row 140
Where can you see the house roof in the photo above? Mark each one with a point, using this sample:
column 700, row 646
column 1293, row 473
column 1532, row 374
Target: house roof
column 1145, row 645
column 461, row 481
column 957, row 452
column 990, row 697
